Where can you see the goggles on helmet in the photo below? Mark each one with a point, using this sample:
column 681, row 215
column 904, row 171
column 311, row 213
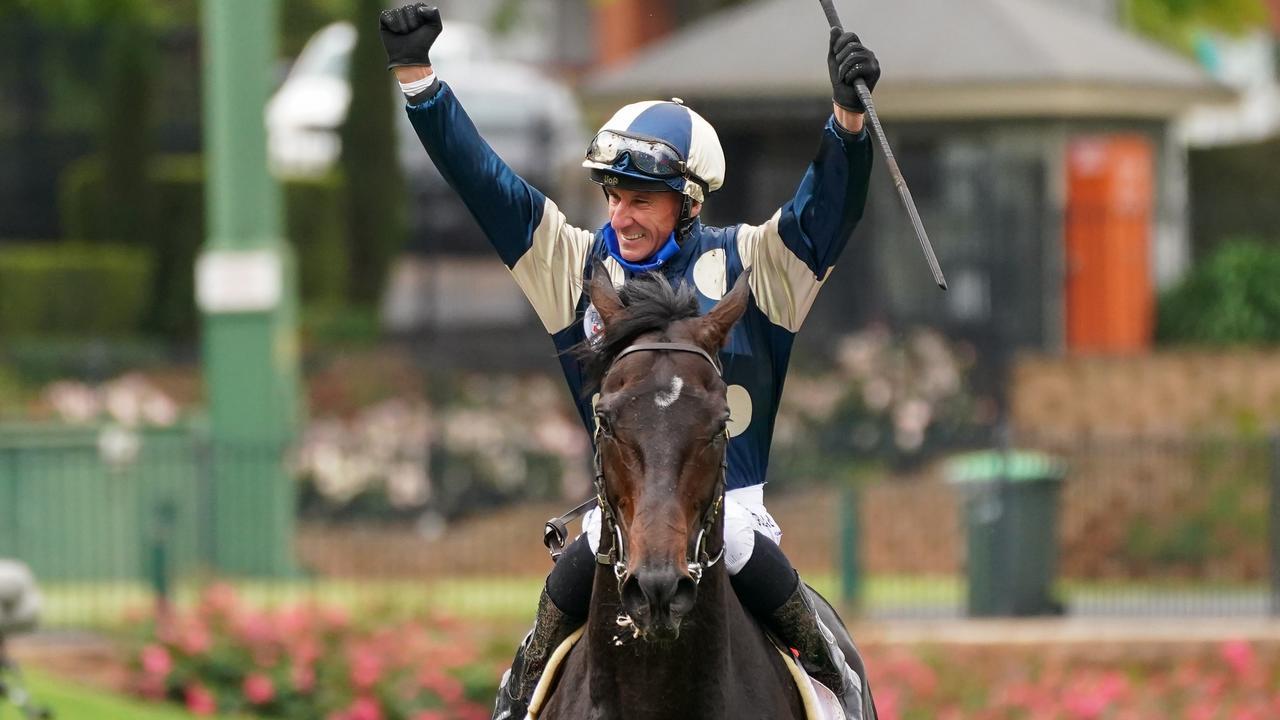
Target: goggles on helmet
column 651, row 157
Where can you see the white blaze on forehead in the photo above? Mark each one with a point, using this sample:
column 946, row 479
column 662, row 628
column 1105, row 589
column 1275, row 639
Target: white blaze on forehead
column 666, row 397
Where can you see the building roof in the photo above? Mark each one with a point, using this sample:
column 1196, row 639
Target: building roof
column 941, row 58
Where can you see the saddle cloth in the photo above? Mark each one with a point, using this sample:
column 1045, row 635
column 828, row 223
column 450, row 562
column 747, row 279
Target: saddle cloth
column 819, row 702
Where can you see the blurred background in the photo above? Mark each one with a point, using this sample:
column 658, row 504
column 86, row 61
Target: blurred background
column 262, row 379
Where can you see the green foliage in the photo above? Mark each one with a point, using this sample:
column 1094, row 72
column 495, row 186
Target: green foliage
column 299, row 19
column 1227, row 187
column 340, row 325
column 375, row 183
column 315, row 223
column 1176, row 22
column 124, row 130
column 177, row 183
column 72, row 289
column 1231, row 298
column 1227, row 511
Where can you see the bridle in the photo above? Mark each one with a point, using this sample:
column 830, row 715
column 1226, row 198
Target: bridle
column 700, row 560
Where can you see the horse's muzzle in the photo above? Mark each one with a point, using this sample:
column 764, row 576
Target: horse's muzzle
column 656, row 600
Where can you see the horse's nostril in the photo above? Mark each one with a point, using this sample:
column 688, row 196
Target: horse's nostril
column 685, row 595
column 657, row 594
column 633, row 598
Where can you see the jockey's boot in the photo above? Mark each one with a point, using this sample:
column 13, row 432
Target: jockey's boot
column 797, row 624
column 550, row 628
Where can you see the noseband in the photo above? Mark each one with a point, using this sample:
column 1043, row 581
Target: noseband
column 700, row 560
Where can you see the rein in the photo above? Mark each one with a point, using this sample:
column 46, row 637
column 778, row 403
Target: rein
column 700, row 560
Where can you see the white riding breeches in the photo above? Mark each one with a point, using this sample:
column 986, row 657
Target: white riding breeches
column 744, row 516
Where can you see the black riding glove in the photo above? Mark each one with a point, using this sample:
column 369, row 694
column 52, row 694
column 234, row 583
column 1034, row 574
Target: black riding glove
column 848, row 60
column 408, row 33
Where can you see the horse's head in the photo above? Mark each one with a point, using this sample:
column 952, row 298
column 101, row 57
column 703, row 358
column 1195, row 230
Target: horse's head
column 662, row 416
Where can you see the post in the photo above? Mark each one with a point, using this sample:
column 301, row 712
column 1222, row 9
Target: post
column 162, row 537
column 1273, row 522
column 246, row 291
column 850, row 549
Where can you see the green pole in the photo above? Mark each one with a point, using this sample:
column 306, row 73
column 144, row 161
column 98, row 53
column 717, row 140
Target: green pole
column 850, row 551
column 246, row 290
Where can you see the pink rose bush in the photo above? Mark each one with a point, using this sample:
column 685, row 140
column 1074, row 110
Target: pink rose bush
column 1235, row 680
column 308, row 662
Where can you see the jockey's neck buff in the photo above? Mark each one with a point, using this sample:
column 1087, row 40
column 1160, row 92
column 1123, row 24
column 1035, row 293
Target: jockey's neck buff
column 653, row 262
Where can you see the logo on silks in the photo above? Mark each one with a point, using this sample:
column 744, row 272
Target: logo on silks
column 610, row 179
column 592, row 325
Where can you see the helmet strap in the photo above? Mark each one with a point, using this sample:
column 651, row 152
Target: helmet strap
column 685, row 223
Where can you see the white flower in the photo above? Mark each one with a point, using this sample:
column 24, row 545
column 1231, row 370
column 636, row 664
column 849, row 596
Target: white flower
column 74, row 402
column 877, row 394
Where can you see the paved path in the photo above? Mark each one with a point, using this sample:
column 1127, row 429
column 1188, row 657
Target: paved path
column 1068, row 630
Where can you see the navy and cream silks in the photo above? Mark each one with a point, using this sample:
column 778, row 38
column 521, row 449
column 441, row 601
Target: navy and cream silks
column 792, row 254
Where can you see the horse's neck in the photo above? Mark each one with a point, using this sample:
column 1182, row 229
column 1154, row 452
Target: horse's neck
column 679, row 679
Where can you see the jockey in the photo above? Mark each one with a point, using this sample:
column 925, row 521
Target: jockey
column 656, row 163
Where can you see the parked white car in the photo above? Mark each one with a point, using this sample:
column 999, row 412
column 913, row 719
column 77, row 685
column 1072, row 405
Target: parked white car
column 531, row 120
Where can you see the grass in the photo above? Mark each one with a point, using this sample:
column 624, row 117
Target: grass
column 71, row 701
column 512, row 599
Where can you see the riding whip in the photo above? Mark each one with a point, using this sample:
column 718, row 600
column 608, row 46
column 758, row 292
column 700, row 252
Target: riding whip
column 864, row 94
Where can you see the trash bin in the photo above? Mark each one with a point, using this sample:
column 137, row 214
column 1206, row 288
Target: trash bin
column 1010, row 513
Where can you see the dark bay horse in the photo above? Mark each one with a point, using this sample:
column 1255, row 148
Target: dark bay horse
column 666, row 637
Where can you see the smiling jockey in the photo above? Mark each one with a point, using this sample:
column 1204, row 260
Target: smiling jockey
column 656, row 163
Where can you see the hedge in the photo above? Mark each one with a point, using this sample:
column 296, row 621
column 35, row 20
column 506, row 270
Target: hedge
column 1232, row 297
column 72, row 289
column 315, row 223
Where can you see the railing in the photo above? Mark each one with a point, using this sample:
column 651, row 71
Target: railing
column 111, row 521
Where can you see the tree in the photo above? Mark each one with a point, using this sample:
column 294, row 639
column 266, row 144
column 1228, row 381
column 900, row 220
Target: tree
column 375, row 183
column 1177, row 22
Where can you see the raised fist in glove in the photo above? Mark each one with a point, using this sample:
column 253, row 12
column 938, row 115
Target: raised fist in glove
column 408, row 33
column 848, row 60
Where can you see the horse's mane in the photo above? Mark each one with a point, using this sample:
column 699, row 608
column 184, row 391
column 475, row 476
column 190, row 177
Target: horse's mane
column 652, row 304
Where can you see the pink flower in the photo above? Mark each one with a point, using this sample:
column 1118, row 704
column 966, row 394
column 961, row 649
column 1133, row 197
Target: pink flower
column 219, row 599
column 303, row 677
column 1203, row 710
column 887, row 705
column 446, row 687
column 151, row 687
column 258, row 689
column 366, row 668
column 364, row 708
column 1239, row 655
column 1086, row 706
column 156, row 660
column 429, row 715
column 200, row 701
column 335, row 618
column 194, row 638
column 472, row 712
column 255, row 628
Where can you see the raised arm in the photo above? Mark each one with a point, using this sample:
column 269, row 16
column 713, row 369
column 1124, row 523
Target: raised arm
column 793, row 252
column 544, row 253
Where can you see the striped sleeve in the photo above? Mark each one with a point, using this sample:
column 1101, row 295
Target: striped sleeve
column 794, row 251
column 550, row 271
column 784, row 286
column 544, row 253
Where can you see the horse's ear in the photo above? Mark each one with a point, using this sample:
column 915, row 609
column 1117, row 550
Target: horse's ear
column 603, row 295
column 715, row 325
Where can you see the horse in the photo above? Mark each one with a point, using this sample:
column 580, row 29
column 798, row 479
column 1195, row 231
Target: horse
column 666, row 636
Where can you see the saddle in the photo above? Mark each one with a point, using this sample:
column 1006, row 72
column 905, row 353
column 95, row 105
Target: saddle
column 819, row 702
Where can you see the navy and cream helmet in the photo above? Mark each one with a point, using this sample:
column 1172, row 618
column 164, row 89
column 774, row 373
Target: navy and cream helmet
column 658, row 145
